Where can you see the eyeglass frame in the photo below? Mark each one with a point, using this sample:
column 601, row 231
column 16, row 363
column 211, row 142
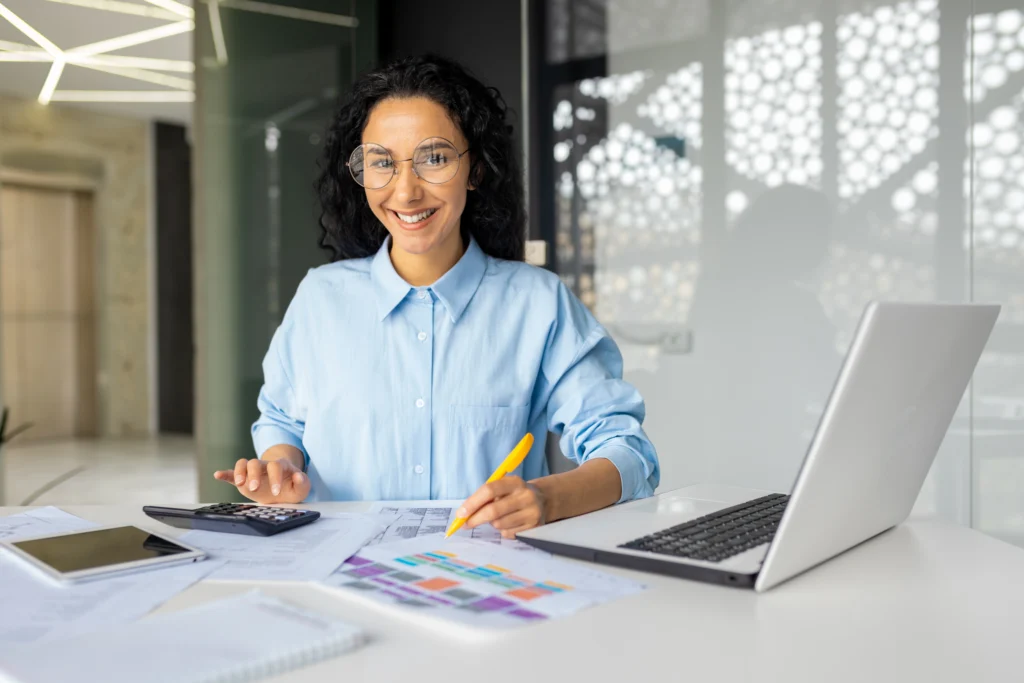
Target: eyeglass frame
column 458, row 159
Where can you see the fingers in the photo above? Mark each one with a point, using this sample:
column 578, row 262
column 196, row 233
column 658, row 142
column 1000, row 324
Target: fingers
column 287, row 485
column 506, row 496
column 496, row 510
column 485, row 494
column 519, row 520
column 274, row 481
column 275, row 471
column 240, row 471
column 256, row 468
column 300, row 486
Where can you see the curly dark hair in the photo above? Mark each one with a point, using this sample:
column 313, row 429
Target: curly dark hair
column 494, row 214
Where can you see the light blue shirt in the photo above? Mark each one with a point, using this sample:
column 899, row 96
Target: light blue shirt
column 395, row 392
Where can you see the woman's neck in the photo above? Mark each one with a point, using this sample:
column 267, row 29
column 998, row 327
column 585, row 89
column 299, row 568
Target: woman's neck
column 420, row 270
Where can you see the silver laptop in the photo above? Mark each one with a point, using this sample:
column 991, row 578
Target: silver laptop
column 900, row 384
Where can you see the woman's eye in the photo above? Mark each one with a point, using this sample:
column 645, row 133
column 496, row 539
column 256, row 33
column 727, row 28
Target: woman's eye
column 437, row 160
column 381, row 163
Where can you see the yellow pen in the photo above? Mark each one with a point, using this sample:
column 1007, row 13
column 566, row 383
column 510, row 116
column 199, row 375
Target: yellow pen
column 513, row 460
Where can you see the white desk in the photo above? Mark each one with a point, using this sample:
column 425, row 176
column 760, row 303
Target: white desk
column 923, row 602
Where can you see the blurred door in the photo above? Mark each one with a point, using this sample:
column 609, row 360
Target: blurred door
column 47, row 311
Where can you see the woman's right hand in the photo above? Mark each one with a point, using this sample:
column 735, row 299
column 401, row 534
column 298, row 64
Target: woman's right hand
column 267, row 481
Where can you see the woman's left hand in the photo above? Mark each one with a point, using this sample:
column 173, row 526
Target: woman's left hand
column 509, row 504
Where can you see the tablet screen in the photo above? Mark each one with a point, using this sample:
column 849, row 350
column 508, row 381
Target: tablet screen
column 100, row 548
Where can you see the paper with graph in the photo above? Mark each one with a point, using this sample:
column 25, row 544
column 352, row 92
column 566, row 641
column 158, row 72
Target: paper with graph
column 475, row 583
column 423, row 518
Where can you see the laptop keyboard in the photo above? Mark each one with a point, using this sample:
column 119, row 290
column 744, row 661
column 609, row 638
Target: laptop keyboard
column 720, row 535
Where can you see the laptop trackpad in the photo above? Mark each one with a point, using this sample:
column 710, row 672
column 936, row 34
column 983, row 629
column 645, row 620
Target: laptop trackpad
column 612, row 526
column 673, row 509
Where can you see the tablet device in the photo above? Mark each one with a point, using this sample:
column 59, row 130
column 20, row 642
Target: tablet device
column 77, row 556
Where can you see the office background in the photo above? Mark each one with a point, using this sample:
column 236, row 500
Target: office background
column 724, row 183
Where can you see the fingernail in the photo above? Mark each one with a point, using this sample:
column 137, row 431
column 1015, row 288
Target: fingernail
column 239, row 480
column 461, row 512
column 253, row 484
column 275, row 489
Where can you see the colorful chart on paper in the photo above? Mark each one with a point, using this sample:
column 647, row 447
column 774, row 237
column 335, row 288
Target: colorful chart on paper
column 475, row 582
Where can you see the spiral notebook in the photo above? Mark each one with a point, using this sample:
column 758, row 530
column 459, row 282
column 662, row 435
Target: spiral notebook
column 242, row 638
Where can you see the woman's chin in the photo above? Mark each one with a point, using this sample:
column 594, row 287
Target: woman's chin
column 421, row 242
column 414, row 244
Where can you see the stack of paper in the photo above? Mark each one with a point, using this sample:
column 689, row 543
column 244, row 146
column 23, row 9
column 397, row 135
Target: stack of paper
column 37, row 609
column 241, row 638
column 308, row 553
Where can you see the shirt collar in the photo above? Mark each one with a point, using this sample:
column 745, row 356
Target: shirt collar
column 455, row 288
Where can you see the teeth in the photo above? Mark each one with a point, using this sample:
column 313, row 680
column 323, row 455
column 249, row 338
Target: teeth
column 416, row 217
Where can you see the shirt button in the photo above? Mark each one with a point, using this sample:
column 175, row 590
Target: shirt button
column 422, row 294
column 421, row 336
column 418, row 469
column 420, row 403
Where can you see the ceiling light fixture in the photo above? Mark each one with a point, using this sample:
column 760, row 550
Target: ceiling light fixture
column 179, row 65
column 37, row 37
column 122, row 96
column 51, row 81
column 289, row 12
column 19, row 47
column 34, row 55
column 172, row 6
column 123, row 8
column 220, row 48
column 94, row 55
column 144, row 75
column 147, row 36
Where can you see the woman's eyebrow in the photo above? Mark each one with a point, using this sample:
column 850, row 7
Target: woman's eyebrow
column 440, row 143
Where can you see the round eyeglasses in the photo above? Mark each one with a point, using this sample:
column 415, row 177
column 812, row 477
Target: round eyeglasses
column 434, row 160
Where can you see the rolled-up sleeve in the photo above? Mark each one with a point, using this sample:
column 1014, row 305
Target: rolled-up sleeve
column 596, row 412
column 282, row 417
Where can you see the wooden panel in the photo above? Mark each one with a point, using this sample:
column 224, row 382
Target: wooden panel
column 40, row 259
column 47, row 310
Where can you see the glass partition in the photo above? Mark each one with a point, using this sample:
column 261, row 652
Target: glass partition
column 268, row 78
column 734, row 181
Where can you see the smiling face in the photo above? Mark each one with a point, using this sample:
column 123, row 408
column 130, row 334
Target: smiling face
column 423, row 218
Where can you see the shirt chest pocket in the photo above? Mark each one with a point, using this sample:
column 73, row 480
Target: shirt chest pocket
column 481, row 437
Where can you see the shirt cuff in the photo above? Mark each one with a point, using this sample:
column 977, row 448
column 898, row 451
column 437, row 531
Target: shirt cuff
column 265, row 436
column 631, row 469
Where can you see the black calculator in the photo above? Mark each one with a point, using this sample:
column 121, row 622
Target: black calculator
column 234, row 518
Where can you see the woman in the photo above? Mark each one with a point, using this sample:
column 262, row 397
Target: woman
column 410, row 366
